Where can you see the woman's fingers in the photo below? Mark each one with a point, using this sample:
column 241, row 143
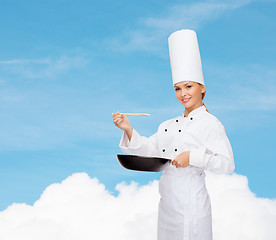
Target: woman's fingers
column 117, row 118
column 117, row 122
column 175, row 163
column 121, row 121
column 115, row 114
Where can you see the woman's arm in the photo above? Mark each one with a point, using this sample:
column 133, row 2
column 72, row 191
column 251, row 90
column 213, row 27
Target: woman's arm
column 131, row 141
column 216, row 155
column 139, row 145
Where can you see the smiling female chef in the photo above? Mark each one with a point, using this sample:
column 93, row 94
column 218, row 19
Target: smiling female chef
column 195, row 141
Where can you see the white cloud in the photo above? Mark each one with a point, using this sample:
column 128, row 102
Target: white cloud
column 25, row 61
column 247, row 87
column 81, row 208
column 150, row 31
column 238, row 213
column 43, row 67
column 53, row 130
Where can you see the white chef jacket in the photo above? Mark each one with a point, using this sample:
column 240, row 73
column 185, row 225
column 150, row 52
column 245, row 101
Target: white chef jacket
column 184, row 211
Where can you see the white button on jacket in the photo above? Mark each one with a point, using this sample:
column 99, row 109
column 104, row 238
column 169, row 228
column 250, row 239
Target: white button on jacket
column 184, row 209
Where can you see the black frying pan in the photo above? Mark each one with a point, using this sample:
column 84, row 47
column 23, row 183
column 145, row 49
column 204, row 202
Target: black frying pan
column 139, row 163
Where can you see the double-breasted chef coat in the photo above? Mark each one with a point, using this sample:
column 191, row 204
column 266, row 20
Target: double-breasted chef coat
column 184, row 211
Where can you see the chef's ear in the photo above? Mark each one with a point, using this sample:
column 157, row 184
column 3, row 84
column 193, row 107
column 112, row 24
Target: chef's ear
column 203, row 89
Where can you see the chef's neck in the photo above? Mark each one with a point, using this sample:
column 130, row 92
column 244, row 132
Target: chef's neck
column 195, row 106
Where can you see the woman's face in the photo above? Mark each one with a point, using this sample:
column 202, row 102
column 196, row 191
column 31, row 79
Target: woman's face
column 189, row 94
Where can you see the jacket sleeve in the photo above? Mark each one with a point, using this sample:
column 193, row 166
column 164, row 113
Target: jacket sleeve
column 140, row 145
column 216, row 155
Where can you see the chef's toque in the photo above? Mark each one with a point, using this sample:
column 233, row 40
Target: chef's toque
column 185, row 57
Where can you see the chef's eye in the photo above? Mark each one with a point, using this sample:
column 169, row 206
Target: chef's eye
column 189, row 86
column 177, row 89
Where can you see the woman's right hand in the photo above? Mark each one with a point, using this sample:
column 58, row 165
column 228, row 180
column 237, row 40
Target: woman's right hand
column 121, row 121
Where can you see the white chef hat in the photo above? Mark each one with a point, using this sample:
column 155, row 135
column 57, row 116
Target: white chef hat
column 185, row 57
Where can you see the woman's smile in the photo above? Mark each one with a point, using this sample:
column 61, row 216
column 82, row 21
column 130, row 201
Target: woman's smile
column 185, row 100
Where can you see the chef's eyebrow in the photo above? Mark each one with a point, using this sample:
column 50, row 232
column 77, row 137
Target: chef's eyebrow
column 184, row 85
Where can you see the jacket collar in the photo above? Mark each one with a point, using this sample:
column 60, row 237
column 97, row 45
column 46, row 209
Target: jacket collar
column 195, row 112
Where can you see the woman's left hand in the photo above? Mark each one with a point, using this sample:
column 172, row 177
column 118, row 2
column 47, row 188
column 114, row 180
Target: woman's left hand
column 182, row 160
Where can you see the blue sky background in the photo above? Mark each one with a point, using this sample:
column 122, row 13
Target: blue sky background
column 65, row 66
